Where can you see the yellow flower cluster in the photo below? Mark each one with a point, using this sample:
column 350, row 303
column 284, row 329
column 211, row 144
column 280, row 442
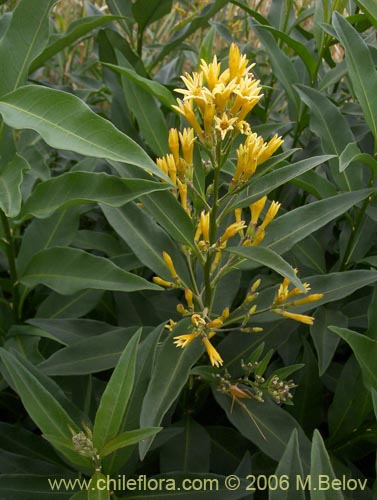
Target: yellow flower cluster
column 205, row 329
column 222, row 99
column 215, row 103
column 283, row 295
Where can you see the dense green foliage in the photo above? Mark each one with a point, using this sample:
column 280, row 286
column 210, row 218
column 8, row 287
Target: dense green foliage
column 91, row 381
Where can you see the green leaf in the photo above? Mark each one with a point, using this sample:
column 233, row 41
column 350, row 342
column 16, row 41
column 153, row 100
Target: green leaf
column 365, row 350
column 294, row 226
column 351, row 404
column 144, row 364
column 97, row 489
column 42, row 406
column 74, row 188
column 114, row 400
column 78, row 270
column 361, row 69
column 31, row 486
column 148, row 11
column 90, row 354
column 321, row 468
column 17, row 52
column 65, row 122
column 57, row 230
column 146, row 239
column 271, row 181
column 149, row 117
column 170, row 373
column 152, row 87
column 11, row 177
column 188, row 451
column 324, row 340
column 128, row 438
column 370, row 9
column 266, row 425
column 352, row 154
column 300, row 49
column 266, row 257
column 282, row 66
column 328, row 123
column 75, row 31
column 290, row 466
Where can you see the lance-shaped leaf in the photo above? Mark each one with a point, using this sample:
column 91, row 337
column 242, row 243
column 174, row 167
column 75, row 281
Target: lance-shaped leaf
column 16, row 51
column 266, row 257
column 128, row 438
column 294, row 226
column 114, row 400
column 68, row 270
column 11, row 177
column 321, row 467
column 265, row 424
column 75, row 31
column 65, row 122
column 170, row 373
column 154, row 88
column 361, row 69
column 328, row 123
column 97, row 489
column 74, row 188
column 365, row 350
column 44, row 409
column 267, row 183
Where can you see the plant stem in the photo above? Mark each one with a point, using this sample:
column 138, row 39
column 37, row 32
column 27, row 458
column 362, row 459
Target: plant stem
column 11, row 256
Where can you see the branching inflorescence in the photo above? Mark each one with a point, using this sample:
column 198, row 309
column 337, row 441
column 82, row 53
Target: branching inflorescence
column 215, row 104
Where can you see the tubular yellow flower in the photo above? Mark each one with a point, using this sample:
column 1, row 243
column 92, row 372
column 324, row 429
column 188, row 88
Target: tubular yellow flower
column 186, row 109
column 198, row 232
column 310, row 298
column 224, row 124
column 297, row 291
column 197, row 320
column 243, row 127
column 302, row 318
column 270, row 149
column 211, row 72
column 215, row 323
column 247, row 95
column 174, row 143
column 187, row 142
column 181, row 310
column 162, row 282
column 194, row 86
column 169, row 264
column 232, row 230
column 172, row 168
column 271, row 214
column 189, row 297
column 162, row 164
column 221, row 93
column 208, row 116
column 214, row 356
column 225, row 314
column 237, row 63
column 238, row 214
column 185, row 339
column 259, row 236
column 204, row 225
column 256, row 209
column 183, row 194
column 170, row 325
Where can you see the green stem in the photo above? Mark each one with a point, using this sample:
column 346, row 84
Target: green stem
column 11, row 256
